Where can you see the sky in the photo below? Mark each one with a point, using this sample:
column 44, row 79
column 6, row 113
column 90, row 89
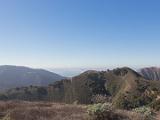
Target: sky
column 80, row 33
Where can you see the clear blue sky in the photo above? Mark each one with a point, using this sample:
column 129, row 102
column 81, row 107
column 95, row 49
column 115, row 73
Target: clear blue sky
column 80, row 33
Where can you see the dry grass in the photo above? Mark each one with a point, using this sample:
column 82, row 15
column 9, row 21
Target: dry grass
column 21, row 110
column 131, row 115
column 42, row 111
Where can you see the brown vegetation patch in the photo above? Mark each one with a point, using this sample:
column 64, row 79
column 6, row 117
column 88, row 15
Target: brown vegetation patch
column 42, row 111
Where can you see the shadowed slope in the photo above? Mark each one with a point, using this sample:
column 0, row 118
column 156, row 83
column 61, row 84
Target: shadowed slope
column 16, row 76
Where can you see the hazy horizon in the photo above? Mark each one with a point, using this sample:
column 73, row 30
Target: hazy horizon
column 79, row 34
column 74, row 71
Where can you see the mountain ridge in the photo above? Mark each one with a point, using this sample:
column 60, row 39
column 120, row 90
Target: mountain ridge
column 151, row 73
column 19, row 76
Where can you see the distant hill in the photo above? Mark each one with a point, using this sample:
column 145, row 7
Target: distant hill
column 17, row 76
column 123, row 86
column 151, row 73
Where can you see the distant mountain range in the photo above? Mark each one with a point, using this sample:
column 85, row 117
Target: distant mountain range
column 151, row 73
column 17, row 76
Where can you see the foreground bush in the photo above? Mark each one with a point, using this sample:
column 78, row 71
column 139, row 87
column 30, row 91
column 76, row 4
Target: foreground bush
column 155, row 105
column 103, row 112
column 107, row 112
column 146, row 111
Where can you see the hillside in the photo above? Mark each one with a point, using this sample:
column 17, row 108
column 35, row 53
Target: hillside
column 151, row 73
column 124, row 87
column 132, row 90
column 16, row 76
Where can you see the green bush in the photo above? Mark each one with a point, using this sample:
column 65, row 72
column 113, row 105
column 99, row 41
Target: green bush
column 100, row 99
column 104, row 112
column 99, row 111
column 155, row 105
column 99, row 108
column 146, row 111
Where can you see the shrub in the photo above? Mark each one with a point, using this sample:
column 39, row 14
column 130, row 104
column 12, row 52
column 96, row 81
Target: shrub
column 103, row 112
column 99, row 107
column 98, row 111
column 155, row 105
column 131, row 101
column 99, row 99
column 146, row 111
